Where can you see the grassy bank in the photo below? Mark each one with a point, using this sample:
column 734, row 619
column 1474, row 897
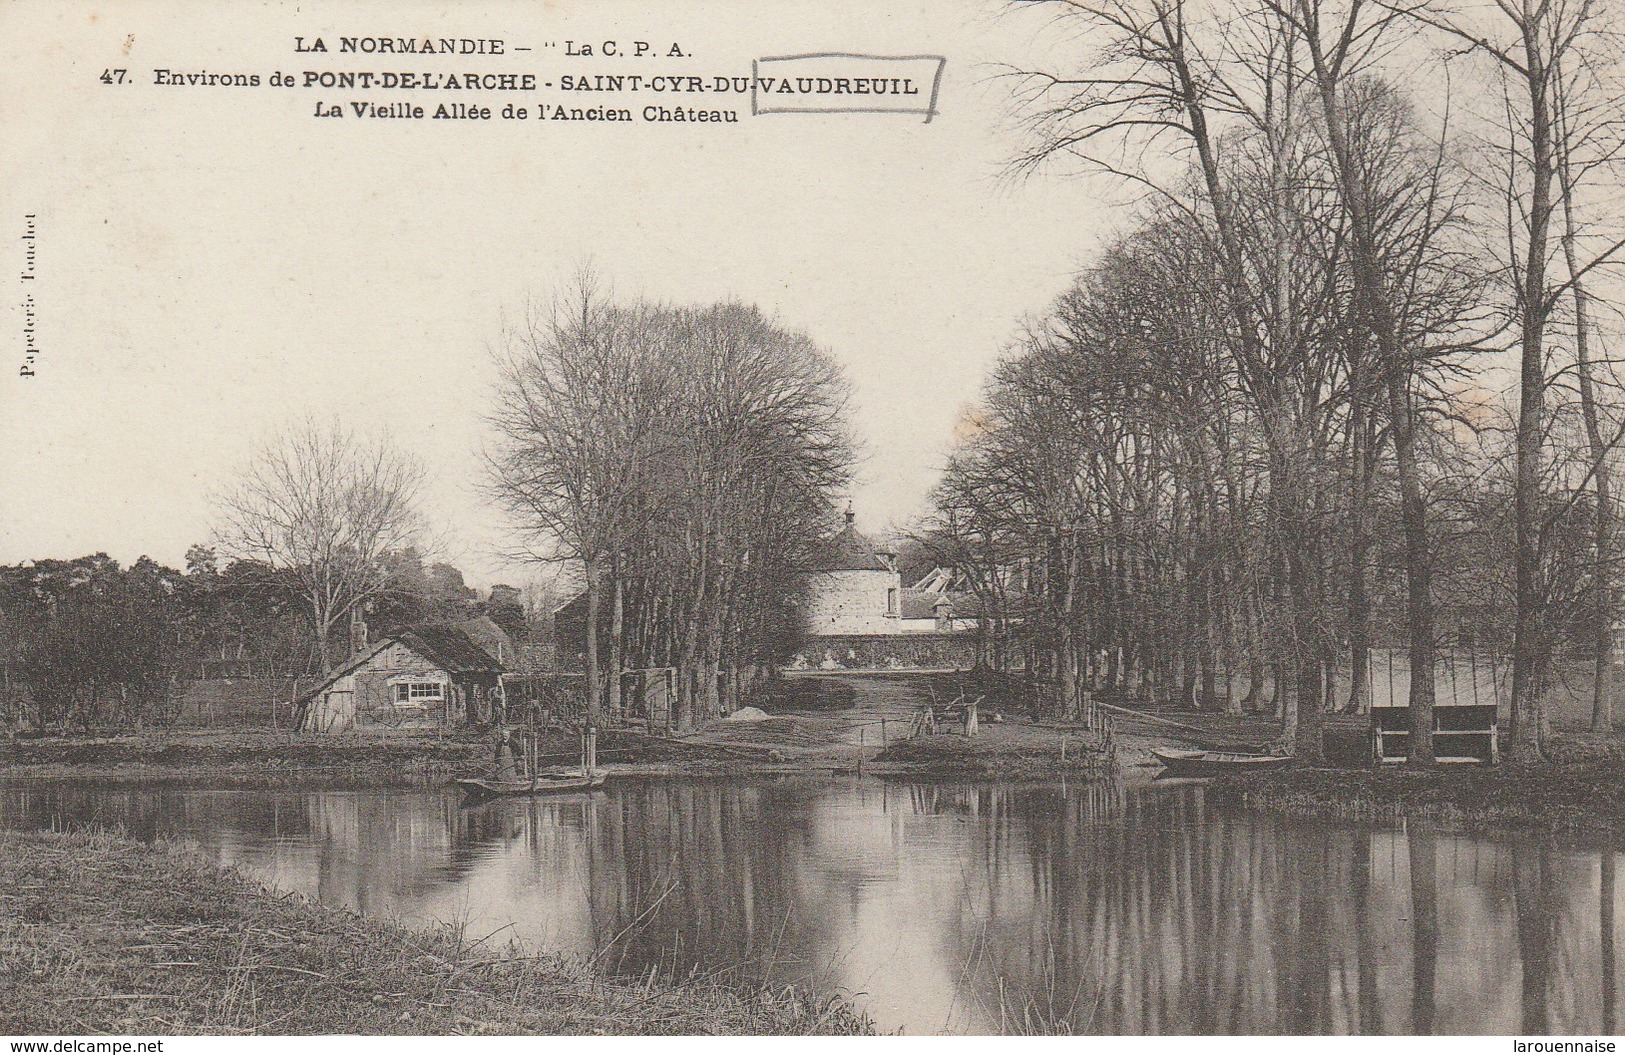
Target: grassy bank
column 259, row 758
column 1581, row 791
column 826, row 723
column 100, row 934
column 991, row 758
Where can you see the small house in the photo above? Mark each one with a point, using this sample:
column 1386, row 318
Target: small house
column 423, row 676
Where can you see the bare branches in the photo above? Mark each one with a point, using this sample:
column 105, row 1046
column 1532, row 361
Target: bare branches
column 325, row 507
column 689, row 455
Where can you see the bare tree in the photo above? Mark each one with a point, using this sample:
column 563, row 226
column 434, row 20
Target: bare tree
column 691, row 452
column 1587, row 144
column 1530, row 43
column 323, row 507
column 1408, row 288
column 1167, row 82
column 578, row 415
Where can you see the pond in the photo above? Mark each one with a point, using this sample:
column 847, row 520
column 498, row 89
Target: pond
column 946, row 907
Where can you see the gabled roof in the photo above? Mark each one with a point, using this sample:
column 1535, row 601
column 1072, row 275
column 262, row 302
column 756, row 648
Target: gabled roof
column 450, row 649
column 445, row 646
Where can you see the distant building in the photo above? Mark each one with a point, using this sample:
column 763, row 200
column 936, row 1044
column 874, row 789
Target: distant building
column 426, row 675
column 855, row 588
column 857, row 591
column 857, row 611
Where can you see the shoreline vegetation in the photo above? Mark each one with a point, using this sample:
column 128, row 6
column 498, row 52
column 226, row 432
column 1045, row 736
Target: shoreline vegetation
column 103, row 934
column 252, row 760
column 1580, row 790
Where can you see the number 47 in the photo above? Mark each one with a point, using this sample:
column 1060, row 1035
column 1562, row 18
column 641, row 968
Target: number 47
column 113, row 76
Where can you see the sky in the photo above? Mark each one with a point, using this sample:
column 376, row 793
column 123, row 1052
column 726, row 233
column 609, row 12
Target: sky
column 213, row 263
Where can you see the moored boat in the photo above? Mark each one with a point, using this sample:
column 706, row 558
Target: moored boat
column 1212, row 763
column 478, row 789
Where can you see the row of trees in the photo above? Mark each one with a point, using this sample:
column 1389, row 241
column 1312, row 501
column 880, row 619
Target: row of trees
column 1261, row 430
column 87, row 642
column 685, row 458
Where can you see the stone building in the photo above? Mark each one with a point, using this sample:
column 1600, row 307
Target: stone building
column 856, row 589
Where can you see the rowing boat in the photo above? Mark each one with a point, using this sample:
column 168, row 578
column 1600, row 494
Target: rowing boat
column 1212, row 763
column 477, row 789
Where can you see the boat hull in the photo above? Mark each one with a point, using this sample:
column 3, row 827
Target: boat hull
column 1214, row 763
column 477, row 789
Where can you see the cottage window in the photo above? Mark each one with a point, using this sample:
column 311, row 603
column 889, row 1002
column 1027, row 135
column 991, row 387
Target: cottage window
column 891, row 602
column 419, row 692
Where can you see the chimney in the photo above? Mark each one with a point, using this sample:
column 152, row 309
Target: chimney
column 358, row 632
column 850, row 516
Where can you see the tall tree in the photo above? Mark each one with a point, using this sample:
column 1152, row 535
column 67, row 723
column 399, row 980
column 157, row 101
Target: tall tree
column 578, row 416
column 1529, row 43
column 323, row 508
column 693, row 453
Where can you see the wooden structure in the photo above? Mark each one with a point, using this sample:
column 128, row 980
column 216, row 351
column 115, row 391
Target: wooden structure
column 534, row 781
column 545, row 699
column 963, row 709
column 1461, row 733
column 649, row 694
column 425, row 676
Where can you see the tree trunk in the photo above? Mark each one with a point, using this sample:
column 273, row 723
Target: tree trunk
column 1529, row 634
column 1397, row 369
column 1359, row 599
column 1066, row 676
column 1602, row 607
column 594, row 695
column 1418, row 575
column 617, row 644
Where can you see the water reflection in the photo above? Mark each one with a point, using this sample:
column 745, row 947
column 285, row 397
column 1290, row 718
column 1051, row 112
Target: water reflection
column 955, row 907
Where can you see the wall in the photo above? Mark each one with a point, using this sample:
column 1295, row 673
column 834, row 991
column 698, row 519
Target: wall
column 375, row 698
column 890, row 652
column 852, row 602
column 217, row 703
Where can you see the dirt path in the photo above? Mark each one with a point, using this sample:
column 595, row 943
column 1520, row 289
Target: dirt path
column 831, row 718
